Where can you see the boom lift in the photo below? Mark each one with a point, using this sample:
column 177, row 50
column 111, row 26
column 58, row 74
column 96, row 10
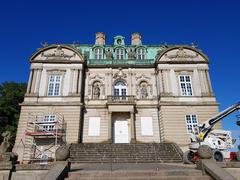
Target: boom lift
column 220, row 141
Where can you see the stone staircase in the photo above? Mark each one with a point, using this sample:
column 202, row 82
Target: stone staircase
column 130, row 171
column 125, row 153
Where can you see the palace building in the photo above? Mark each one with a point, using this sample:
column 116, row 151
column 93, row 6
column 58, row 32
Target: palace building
column 118, row 93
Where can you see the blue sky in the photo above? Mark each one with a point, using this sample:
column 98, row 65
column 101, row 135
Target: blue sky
column 213, row 25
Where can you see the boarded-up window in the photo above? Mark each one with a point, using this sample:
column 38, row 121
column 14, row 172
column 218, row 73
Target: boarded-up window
column 146, row 126
column 94, row 126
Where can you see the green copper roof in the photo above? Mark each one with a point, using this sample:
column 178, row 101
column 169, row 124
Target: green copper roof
column 151, row 51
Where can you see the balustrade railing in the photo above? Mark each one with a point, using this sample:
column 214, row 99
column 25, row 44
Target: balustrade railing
column 121, row 99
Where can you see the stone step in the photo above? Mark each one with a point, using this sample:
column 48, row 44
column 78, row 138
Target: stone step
column 105, row 153
column 141, row 178
column 143, row 174
column 128, row 161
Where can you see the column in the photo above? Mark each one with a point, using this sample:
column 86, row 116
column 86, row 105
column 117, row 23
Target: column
column 38, row 79
column 74, row 89
column 80, row 81
column 133, row 134
column 30, row 82
column 86, row 85
column 208, row 82
column 71, row 82
column 33, row 81
column 173, row 82
column 110, row 127
column 130, row 92
column 162, row 82
column 110, row 83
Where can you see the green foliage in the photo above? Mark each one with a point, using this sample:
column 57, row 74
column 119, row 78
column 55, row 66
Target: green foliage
column 11, row 94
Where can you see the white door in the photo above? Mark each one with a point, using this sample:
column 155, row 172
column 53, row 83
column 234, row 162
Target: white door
column 121, row 132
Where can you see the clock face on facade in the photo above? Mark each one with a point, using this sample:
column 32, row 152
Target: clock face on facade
column 119, row 41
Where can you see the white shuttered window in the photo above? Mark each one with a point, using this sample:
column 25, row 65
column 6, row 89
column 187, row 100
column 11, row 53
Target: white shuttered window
column 146, row 126
column 94, row 126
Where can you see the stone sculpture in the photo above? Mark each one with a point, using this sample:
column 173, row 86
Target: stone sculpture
column 96, row 91
column 109, row 54
column 131, row 54
column 144, row 92
column 5, row 145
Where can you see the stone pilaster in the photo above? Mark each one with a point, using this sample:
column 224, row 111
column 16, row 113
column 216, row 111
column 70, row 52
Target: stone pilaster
column 38, row 80
column 208, row 82
column 74, row 88
column 110, row 140
column 33, row 81
column 132, row 123
column 30, row 82
column 86, row 85
column 79, row 81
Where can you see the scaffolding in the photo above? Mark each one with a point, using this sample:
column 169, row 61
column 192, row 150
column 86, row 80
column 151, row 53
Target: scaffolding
column 46, row 133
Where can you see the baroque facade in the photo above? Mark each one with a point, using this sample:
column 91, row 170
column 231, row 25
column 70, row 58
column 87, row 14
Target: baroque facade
column 116, row 93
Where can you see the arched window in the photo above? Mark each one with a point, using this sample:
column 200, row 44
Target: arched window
column 120, row 53
column 98, row 53
column 141, row 53
column 120, row 88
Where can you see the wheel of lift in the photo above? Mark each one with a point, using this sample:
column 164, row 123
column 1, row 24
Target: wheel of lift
column 187, row 157
column 218, row 156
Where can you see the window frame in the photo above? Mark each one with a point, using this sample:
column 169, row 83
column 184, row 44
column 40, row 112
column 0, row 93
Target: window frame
column 52, row 85
column 121, row 88
column 98, row 53
column 120, row 54
column 191, row 123
column 141, row 52
column 49, row 123
column 186, row 85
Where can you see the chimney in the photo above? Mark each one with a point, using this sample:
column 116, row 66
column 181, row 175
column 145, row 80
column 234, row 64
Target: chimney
column 100, row 38
column 136, row 39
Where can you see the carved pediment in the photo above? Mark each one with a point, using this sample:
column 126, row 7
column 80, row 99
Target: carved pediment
column 58, row 53
column 181, row 54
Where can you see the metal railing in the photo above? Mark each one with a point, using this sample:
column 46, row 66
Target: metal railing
column 120, row 61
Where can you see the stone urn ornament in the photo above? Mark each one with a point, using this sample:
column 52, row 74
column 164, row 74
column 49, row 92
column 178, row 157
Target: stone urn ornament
column 204, row 152
column 62, row 153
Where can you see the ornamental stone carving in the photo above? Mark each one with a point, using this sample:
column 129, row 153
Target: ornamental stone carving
column 181, row 54
column 120, row 74
column 5, row 145
column 109, row 54
column 96, row 91
column 143, row 91
column 131, row 54
column 96, row 77
column 58, row 54
column 142, row 77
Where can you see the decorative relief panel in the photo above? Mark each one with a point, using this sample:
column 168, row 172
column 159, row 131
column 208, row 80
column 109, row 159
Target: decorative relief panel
column 58, row 53
column 144, row 89
column 120, row 74
column 96, row 86
column 181, row 54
